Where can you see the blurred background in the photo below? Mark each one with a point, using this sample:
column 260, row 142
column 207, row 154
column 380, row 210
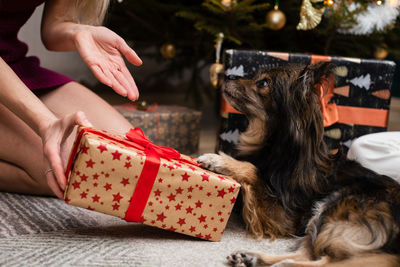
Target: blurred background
column 181, row 42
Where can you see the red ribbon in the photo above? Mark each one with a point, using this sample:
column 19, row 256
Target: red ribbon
column 138, row 140
column 149, row 172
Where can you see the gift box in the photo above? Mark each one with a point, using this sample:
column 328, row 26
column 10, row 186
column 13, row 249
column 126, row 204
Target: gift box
column 138, row 181
column 173, row 126
column 357, row 103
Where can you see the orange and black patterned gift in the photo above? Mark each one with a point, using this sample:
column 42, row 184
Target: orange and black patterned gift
column 357, row 102
column 131, row 178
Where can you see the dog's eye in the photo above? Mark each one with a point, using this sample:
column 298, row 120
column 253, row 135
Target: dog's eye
column 261, row 83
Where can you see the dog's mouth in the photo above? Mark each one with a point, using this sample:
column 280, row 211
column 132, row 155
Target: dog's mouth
column 233, row 96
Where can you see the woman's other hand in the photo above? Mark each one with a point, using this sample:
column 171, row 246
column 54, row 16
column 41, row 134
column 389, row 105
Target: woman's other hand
column 53, row 138
column 102, row 50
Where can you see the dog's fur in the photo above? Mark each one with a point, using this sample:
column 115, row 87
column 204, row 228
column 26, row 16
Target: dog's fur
column 292, row 185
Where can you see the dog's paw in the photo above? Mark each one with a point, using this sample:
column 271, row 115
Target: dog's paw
column 242, row 259
column 213, row 162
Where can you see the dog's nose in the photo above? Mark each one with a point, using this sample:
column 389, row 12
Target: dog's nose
column 231, row 77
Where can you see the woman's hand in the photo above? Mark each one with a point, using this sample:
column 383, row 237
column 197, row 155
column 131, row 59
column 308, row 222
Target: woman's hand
column 53, row 137
column 102, row 49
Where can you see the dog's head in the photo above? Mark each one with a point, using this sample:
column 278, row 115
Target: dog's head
column 281, row 103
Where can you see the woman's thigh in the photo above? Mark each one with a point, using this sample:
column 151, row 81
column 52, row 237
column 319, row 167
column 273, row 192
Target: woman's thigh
column 21, row 148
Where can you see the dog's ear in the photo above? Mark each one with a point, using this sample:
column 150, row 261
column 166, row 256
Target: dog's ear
column 314, row 74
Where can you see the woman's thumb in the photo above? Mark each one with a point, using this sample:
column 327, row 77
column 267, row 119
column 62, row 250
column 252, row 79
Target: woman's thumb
column 80, row 119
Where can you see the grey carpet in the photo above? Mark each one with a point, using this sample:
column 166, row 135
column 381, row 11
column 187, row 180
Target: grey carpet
column 38, row 231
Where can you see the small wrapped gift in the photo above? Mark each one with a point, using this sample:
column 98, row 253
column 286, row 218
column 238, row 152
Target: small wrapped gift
column 138, row 181
column 173, row 126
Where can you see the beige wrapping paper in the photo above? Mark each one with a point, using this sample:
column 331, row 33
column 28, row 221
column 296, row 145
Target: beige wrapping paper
column 103, row 174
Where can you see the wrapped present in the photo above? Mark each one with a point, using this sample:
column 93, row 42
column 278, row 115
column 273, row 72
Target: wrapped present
column 356, row 104
column 173, row 126
column 138, row 181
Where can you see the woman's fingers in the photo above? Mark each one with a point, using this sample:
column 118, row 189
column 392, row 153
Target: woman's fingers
column 129, row 53
column 105, row 76
column 131, row 89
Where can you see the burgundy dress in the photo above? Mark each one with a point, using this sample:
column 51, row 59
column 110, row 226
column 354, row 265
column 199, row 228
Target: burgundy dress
column 13, row 15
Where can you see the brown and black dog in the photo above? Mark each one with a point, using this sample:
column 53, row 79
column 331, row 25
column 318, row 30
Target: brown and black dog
column 292, row 185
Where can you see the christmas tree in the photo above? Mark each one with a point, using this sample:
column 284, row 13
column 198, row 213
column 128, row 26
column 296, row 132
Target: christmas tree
column 182, row 35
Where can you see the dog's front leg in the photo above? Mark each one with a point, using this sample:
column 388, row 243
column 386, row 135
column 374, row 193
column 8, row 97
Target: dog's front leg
column 241, row 171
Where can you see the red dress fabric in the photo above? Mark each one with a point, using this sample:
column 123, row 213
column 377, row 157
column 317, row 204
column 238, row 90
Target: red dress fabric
column 13, row 15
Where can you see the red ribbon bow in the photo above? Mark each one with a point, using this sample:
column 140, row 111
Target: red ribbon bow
column 136, row 135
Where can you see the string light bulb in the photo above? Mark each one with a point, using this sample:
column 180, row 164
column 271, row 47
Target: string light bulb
column 379, row 2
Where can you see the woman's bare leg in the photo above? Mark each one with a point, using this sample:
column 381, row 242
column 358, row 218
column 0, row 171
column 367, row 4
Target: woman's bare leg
column 21, row 154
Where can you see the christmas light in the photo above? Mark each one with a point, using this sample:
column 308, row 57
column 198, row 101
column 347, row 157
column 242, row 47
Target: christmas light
column 379, row 2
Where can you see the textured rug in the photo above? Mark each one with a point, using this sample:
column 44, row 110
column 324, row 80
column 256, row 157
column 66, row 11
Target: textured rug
column 38, row 231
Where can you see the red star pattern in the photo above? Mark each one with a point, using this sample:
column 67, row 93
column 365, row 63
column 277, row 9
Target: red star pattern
column 83, row 195
column 142, row 219
column 128, row 164
column 85, row 149
column 181, row 221
column 84, row 177
column 117, row 197
column 205, row 177
column 221, row 193
column 102, row 148
column 202, row 218
column 189, row 209
column 115, row 206
column 171, row 167
column 171, row 197
column 90, row 163
column 161, row 217
column 199, row 235
column 198, row 204
column 125, row 181
column 116, row 155
column 185, row 177
column 157, row 193
column 179, row 190
column 76, row 185
column 107, row 186
column 204, row 191
column 96, row 198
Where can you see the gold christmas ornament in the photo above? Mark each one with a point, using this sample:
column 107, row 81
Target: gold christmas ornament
column 310, row 17
column 275, row 19
column 228, row 3
column 217, row 69
column 381, row 52
column 142, row 105
column 168, row 50
column 329, row 2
